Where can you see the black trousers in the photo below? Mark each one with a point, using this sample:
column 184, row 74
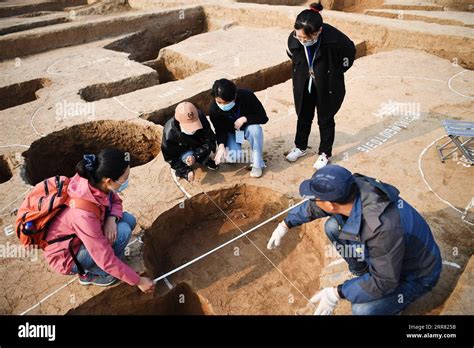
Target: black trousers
column 327, row 126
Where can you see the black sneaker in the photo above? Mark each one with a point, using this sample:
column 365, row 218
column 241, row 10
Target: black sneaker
column 211, row 164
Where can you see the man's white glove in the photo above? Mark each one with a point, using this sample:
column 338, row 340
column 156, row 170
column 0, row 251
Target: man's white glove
column 327, row 299
column 277, row 235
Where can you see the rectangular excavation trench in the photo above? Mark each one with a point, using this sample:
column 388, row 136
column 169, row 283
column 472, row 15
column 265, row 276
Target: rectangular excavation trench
column 165, row 71
column 32, row 20
column 21, row 93
column 156, row 25
column 25, row 8
column 144, row 47
column 237, row 279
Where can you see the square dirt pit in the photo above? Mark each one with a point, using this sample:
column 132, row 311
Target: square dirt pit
column 236, row 279
column 242, row 277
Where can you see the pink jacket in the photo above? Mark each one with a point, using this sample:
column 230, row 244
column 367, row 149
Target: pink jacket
column 89, row 231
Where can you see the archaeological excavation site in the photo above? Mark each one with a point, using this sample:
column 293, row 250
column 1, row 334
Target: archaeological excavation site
column 80, row 76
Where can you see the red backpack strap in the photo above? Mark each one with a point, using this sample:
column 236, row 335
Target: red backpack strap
column 79, row 203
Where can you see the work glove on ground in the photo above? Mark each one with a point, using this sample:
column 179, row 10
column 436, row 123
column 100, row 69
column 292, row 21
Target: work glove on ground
column 327, row 299
column 277, row 235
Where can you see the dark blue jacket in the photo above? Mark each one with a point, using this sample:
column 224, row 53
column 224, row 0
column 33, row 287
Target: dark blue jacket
column 398, row 241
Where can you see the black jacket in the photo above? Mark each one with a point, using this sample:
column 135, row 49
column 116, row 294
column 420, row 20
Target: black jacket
column 246, row 104
column 335, row 56
column 175, row 143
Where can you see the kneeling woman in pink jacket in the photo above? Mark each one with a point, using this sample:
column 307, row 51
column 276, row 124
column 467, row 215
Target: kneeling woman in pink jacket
column 97, row 250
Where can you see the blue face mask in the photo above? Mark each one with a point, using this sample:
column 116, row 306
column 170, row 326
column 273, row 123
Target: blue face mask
column 226, row 107
column 122, row 186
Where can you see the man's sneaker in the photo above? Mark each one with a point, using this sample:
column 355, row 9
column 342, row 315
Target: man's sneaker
column 210, row 164
column 90, row 278
column 321, row 162
column 256, row 172
column 294, row 154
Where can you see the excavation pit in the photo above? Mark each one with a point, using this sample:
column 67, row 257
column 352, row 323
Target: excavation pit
column 5, row 169
column 166, row 69
column 144, row 45
column 59, row 152
column 36, row 14
column 237, row 279
column 112, row 89
column 21, row 93
column 127, row 300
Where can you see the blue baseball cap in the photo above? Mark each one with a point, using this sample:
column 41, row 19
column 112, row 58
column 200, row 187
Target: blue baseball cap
column 332, row 183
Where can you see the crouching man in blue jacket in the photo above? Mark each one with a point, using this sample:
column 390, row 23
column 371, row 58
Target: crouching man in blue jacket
column 387, row 244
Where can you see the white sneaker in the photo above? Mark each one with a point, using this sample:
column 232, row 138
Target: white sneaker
column 256, row 172
column 321, row 162
column 295, row 154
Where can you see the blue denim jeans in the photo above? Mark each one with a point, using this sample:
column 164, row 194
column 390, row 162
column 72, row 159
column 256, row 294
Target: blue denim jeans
column 406, row 292
column 254, row 134
column 124, row 232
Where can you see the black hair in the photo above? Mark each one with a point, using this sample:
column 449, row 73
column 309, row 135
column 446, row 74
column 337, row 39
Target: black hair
column 351, row 196
column 224, row 89
column 310, row 20
column 108, row 163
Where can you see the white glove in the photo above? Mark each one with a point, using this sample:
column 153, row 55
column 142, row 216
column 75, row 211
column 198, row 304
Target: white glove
column 277, row 235
column 327, row 299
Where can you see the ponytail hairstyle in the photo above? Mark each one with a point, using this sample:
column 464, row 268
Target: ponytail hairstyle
column 108, row 163
column 310, row 20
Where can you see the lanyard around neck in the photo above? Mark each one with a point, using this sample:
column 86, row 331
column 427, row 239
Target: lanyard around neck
column 311, row 61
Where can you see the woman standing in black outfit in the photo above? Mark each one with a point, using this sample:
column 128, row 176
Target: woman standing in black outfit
column 321, row 54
